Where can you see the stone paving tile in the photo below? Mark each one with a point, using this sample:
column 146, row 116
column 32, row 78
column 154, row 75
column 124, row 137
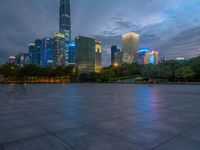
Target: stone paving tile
column 115, row 126
column 193, row 134
column 1, row 147
column 90, row 119
column 47, row 142
column 16, row 134
column 12, row 116
column 146, row 137
column 170, row 127
column 37, row 112
column 110, row 143
column 4, row 111
column 59, row 125
column 81, row 135
column 10, row 124
column 179, row 143
column 49, row 117
column 115, row 117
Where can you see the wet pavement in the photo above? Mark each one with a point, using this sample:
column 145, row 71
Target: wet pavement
column 99, row 117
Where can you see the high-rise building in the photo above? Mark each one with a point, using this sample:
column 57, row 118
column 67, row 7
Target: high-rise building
column 151, row 57
column 22, row 59
column 130, row 44
column 163, row 59
column 88, row 54
column 59, row 49
column 141, row 55
column 31, row 51
column 71, row 48
column 180, row 58
column 11, row 59
column 98, row 52
column 46, row 54
column 36, row 54
column 114, row 49
column 118, row 59
column 65, row 19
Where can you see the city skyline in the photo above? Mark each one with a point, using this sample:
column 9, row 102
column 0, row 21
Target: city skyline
column 167, row 26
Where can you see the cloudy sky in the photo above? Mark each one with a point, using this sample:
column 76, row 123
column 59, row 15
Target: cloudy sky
column 170, row 26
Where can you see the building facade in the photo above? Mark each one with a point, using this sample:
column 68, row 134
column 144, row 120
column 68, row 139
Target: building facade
column 11, row 59
column 118, row 59
column 151, row 57
column 22, row 59
column 46, row 55
column 141, row 55
column 37, row 51
column 71, row 48
column 88, row 54
column 130, row 44
column 59, row 49
column 65, row 19
column 114, row 49
column 31, row 52
column 98, row 52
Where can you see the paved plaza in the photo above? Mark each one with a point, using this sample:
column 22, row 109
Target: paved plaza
column 99, row 117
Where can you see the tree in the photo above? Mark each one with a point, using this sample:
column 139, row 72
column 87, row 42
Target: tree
column 149, row 71
column 195, row 65
column 184, row 73
column 84, row 77
column 107, row 74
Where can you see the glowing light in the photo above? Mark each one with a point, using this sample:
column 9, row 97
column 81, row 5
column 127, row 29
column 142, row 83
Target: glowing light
column 59, row 35
column 151, row 61
column 116, row 65
column 144, row 50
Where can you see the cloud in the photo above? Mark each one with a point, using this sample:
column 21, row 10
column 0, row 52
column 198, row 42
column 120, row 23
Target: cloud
column 161, row 24
column 186, row 43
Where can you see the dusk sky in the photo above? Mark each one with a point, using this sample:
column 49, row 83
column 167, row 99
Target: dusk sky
column 170, row 26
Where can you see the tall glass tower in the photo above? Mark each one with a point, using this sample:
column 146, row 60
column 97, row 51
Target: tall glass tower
column 65, row 19
column 130, row 44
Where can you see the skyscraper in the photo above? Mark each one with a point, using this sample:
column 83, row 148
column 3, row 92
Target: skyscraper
column 31, row 51
column 118, row 58
column 71, row 49
column 65, row 19
column 98, row 51
column 141, row 55
column 130, row 44
column 88, row 54
column 36, row 55
column 59, row 49
column 22, row 59
column 46, row 54
column 114, row 49
column 151, row 57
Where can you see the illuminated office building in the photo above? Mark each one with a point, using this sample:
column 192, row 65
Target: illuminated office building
column 141, row 55
column 11, row 59
column 59, row 49
column 88, row 54
column 31, row 52
column 180, row 58
column 71, row 50
column 46, row 54
column 22, row 59
column 151, row 57
column 130, row 44
column 114, row 49
column 163, row 59
column 98, row 51
column 37, row 51
column 118, row 58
